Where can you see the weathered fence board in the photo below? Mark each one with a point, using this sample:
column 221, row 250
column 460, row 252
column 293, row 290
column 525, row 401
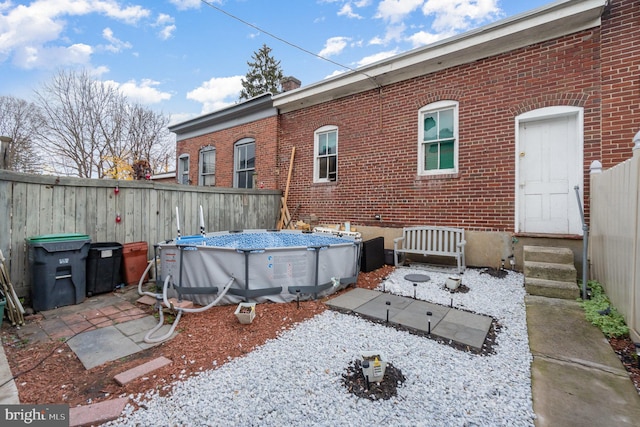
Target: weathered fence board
column 33, row 205
column 614, row 237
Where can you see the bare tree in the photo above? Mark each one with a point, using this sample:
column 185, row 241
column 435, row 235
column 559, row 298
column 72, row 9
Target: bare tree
column 91, row 128
column 20, row 122
column 148, row 137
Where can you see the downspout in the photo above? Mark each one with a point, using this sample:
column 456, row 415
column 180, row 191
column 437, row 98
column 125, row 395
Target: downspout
column 585, row 244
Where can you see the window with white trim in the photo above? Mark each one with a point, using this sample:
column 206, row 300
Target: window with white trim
column 207, row 162
column 183, row 169
column 438, row 138
column 325, row 167
column 245, row 163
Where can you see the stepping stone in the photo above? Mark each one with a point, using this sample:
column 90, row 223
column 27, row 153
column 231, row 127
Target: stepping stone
column 133, row 373
column 353, row 299
column 463, row 327
column 417, row 278
column 96, row 347
column 97, row 413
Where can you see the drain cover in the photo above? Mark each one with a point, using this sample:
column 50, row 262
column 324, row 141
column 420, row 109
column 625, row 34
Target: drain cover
column 417, row 278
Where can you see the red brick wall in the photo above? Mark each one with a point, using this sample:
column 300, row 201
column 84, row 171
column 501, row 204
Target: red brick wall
column 265, row 133
column 620, row 80
column 378, row 133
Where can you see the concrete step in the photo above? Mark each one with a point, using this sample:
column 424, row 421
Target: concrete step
column 552, row 288
column 550, row 271
column 548, row 254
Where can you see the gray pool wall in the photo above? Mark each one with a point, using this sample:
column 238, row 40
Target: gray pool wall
column 198, row 272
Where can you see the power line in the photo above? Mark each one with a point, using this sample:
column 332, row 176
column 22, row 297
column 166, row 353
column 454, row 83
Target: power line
column 295, row 46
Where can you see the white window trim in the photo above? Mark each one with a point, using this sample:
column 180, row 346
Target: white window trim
column 316, row 171
column 435, row 106
column 203, row 150
column 181, row 170
column 238, row 143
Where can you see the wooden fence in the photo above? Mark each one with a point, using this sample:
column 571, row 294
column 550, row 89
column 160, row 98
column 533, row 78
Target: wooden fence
column 615, row 230
column 33, row 205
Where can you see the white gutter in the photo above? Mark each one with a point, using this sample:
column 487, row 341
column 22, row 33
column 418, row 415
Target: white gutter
column 545, row 23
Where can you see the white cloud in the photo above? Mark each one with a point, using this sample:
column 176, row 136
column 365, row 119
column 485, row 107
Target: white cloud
column 395, row 11
column 164, row 19
column 167, row 32
column 30, row 57
column 167, row 23
column 180, row 117
column 377, row 57
column 115, row 45
column 458, row 15
column 347, row 11
column 144, row 92
column 217, row 93
column 335, row 73
column 334, row 46
column 98, row 71
column 188, row 4
column 27, row 31
column 423, row 38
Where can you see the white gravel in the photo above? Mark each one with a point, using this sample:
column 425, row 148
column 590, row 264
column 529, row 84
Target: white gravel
column 296, row 379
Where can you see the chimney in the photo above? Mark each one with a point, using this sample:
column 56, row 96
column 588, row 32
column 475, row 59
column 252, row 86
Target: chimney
column 290, row 83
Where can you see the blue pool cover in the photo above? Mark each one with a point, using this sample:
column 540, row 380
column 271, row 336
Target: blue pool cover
column 263, row 240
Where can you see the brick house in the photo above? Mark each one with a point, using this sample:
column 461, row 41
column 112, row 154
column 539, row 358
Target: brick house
column 220, row 148
column 490, row 131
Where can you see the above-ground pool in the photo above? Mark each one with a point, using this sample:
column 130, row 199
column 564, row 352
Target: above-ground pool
column 278, row 266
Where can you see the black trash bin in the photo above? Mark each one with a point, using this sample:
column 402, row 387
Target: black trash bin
column 103, row 267
column 57, row 269
column 372, row 254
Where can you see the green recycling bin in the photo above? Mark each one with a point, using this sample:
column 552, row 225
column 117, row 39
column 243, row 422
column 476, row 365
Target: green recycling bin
column 57, row 269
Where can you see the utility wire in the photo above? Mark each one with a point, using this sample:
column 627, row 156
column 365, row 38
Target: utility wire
column 295, row 46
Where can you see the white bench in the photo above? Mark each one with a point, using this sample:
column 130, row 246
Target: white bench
column 427, row 240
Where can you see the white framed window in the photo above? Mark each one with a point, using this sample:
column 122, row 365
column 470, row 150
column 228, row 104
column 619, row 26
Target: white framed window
column 183, row 169
column 325, row 165
column 438, row 138
column 244, row 163
column 207, row 164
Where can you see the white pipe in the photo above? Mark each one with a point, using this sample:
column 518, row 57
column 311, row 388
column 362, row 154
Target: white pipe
column 201, row 222
column 178, row 221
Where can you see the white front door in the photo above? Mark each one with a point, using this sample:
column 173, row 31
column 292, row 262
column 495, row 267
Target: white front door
column 549, row 166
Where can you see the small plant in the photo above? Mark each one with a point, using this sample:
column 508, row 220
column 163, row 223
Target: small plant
column 599, row 311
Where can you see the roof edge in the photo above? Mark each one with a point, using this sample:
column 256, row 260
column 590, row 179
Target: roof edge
column 521, row 30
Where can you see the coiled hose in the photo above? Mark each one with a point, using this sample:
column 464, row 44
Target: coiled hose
column 162, row 298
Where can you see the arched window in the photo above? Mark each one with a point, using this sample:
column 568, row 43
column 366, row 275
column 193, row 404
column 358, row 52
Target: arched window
column 207, row 165
column 438, row 138
column 325, row 166
column 244, row 163
column 183, row 169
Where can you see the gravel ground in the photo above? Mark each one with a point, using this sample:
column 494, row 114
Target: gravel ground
column 297, row 379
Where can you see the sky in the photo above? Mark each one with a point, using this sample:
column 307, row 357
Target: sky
column 186, row 58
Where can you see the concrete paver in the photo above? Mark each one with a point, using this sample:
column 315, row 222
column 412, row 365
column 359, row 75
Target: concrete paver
column 96, row 413
column 140, row 370
column 576, row 378
column 94, row 348
column 450, row 323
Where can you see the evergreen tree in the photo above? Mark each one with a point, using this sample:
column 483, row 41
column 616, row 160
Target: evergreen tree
column 264, row 74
